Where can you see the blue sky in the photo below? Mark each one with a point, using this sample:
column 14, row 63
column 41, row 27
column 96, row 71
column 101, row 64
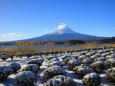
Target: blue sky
column 22, row 19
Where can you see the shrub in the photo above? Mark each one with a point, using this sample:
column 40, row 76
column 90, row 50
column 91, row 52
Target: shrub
column 35, row 53
column 60, row 80
column 82, row 57
column 5, row 71
column 54, row 59
column 11, row 56
column 72, row 63
column 53, row 71
column 28, row 54
column 15, row 67
column 82, row 70
column 110, row 62
column 92, row 79
column 87, row 61
column 55, row 63
column 94, row 57
column 26, row 78
column 32, row 67
column 98, row 66
column 100, row 59
column 38, row 62
column 21, row 55
column 110, row 74
column 4, row 57
column 66, row 60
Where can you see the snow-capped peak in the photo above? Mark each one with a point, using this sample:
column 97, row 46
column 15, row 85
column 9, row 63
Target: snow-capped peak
column 62, row 28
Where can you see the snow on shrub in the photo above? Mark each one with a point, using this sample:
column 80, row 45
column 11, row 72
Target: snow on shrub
column 15, row 67
column 4, row 57
column 110, row 62
column 66, row 60
column 38, row 62
column 98, row 66
column 53, row 71
column 5, row 71
column 100, row 59
column 94, row 57
column 82, row 70
column 110, row 74
column 87, row 61
column 50, row 57
column 92, row 79
column 82, row 57
column 72, row 63
column 60, row 80
column 42, row 59
column 21, row 55
column 26, row 78
column 28, row 54
column 31, row 67
column 54, row 59
column 57, row 63
column 110, row 56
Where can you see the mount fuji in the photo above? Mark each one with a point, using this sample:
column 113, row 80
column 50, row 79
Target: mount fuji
column 64, row 33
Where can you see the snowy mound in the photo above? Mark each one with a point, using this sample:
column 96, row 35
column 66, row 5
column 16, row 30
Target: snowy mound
column 5, row 71
column 32, row 67
column 82, row 70
column 26, row 78
column 110, row 62
column 57, row 63
column 15, row 67
column 92, row 79
column 72, row 63
column 98, row 66
column 110, row 74
column 53, row 71
column 38, row 62
column 87, row 61
column 60, row 80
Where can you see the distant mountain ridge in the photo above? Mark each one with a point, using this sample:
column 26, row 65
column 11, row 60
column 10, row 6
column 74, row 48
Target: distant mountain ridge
column 109, row 40
column 64, row 33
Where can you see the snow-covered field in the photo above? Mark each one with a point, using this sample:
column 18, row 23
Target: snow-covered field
column 75, row 66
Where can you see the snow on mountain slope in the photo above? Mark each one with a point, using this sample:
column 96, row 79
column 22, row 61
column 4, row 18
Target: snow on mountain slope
column 62, row 29
column 64, row 33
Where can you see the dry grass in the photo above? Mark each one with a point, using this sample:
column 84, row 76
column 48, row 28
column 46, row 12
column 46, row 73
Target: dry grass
column 23, row 49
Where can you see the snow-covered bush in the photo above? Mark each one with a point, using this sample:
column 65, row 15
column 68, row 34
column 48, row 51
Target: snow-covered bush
column 60, row 80
column 87, row 61
column 98, row 66
column 38, row 62
column 54, row 59
column 110, row 74
column 4, row 57
column 53, row 71
column 92, row 79
column 57, row 63
column 72, row 63
column 82, row 57
column 5, row 71
column 31, row 67
column 21, row 55
column 82, row 70
column 100, row 59
column 28, row 54
column 66, row 60
column 26, row 78
column 11, row 56
column 35, row 53
column 15, row 67
column 50, row 57
column 110, row 62
column 94, row 57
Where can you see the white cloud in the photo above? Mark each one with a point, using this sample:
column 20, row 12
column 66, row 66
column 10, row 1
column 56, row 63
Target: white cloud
column 11, row 34
column 3, row 34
